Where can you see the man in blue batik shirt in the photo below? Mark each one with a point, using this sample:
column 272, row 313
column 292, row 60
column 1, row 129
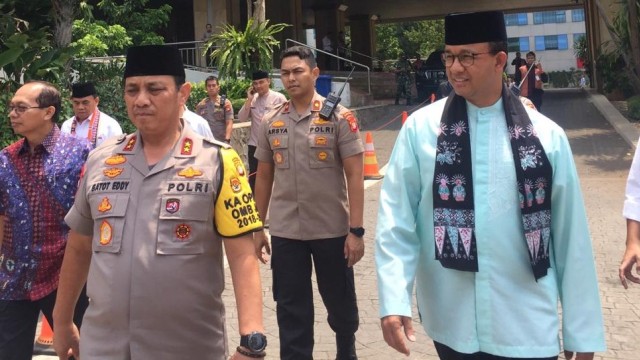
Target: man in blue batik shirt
column 481, row 210
column 38, row 180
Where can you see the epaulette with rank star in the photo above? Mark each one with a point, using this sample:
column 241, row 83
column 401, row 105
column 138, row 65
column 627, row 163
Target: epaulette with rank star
column 285, row 108
column 130, row 144
column 316, row 105
column 187, row 146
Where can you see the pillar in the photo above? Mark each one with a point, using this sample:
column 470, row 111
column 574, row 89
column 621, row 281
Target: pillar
column 362, row 38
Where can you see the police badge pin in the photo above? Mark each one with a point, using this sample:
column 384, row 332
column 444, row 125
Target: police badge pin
column 172, row 206
column 105, row 205
column 106, row 233
column 183, row 231
column 234, row 182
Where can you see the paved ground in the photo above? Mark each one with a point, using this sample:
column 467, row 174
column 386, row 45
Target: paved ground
column 601, row 141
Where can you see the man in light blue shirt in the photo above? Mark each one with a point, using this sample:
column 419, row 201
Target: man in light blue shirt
column 481, row 211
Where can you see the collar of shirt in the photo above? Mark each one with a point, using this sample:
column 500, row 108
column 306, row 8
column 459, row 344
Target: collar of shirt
column 48, row 143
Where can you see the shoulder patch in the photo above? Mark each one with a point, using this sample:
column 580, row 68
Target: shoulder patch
column 351, row 119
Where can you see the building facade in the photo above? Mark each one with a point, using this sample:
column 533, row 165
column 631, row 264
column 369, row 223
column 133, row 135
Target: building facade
column 550, row 34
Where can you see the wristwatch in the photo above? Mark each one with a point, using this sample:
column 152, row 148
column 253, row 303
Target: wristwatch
column 357, row 231
column 256, row 342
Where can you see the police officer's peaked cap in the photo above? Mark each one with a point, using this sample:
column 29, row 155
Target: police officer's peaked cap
column 80, row 90
column 153, row 60
column 474, row 27
column 260, row 74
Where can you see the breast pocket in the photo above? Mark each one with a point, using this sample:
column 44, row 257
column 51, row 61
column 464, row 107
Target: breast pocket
column 280, row 147
column 108, row 212
column 322, row 154
column 184, row 221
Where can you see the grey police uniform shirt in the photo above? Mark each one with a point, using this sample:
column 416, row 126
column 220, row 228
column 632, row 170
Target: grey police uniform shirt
column 309, row 198
column 216, row 116
column 156, row 274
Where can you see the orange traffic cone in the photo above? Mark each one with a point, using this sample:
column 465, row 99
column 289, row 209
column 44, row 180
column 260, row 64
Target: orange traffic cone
column 433, row 98
column 404, row 117
column 44, row 342
column 371, row 171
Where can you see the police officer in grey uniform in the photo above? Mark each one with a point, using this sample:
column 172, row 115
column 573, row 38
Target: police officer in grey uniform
column 217, row 110
column 315, row 167
column 152, row 212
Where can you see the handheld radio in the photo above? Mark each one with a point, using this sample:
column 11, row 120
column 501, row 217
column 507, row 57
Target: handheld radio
column 332, row 100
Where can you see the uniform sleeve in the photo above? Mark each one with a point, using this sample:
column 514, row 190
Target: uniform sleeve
column 631, row 208
column 79, row 216
column 349, row 140
column 397, row 246
column 228, row 109
column 263, row 149
column 235, row 210
column 245, row 111
column 582, row 328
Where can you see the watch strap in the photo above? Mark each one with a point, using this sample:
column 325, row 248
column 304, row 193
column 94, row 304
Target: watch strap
column 247, row 353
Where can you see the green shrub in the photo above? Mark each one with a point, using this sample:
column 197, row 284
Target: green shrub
column 198, row 92
column 235, row 88
column 6, row 132
column 610, row 67
column 634, row 107
column 237, row 105
column 562, row 79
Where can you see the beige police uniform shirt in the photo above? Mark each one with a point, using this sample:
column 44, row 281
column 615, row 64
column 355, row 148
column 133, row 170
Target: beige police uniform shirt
column 309, row 198
column 216, row 115
column 259, row 106
column 156, row 274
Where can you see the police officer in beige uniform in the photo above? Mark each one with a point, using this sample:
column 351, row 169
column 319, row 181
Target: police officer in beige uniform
column 217, row 110
column 315, row 167
column 150, row 217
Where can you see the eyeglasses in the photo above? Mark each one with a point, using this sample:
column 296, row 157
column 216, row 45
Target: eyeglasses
column 465, row 59
column 21, row 109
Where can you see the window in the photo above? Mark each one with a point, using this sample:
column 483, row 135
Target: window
column 516, row 19
column 577, row 36
column 518, row 44
column 549, row 17
column 577, row 15
column 552, row 42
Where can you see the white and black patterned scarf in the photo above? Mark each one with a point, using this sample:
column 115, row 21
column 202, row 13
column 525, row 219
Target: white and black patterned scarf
column 453, row 206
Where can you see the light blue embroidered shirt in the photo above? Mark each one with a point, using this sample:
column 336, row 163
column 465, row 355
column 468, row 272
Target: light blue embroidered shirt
column 501, row 309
